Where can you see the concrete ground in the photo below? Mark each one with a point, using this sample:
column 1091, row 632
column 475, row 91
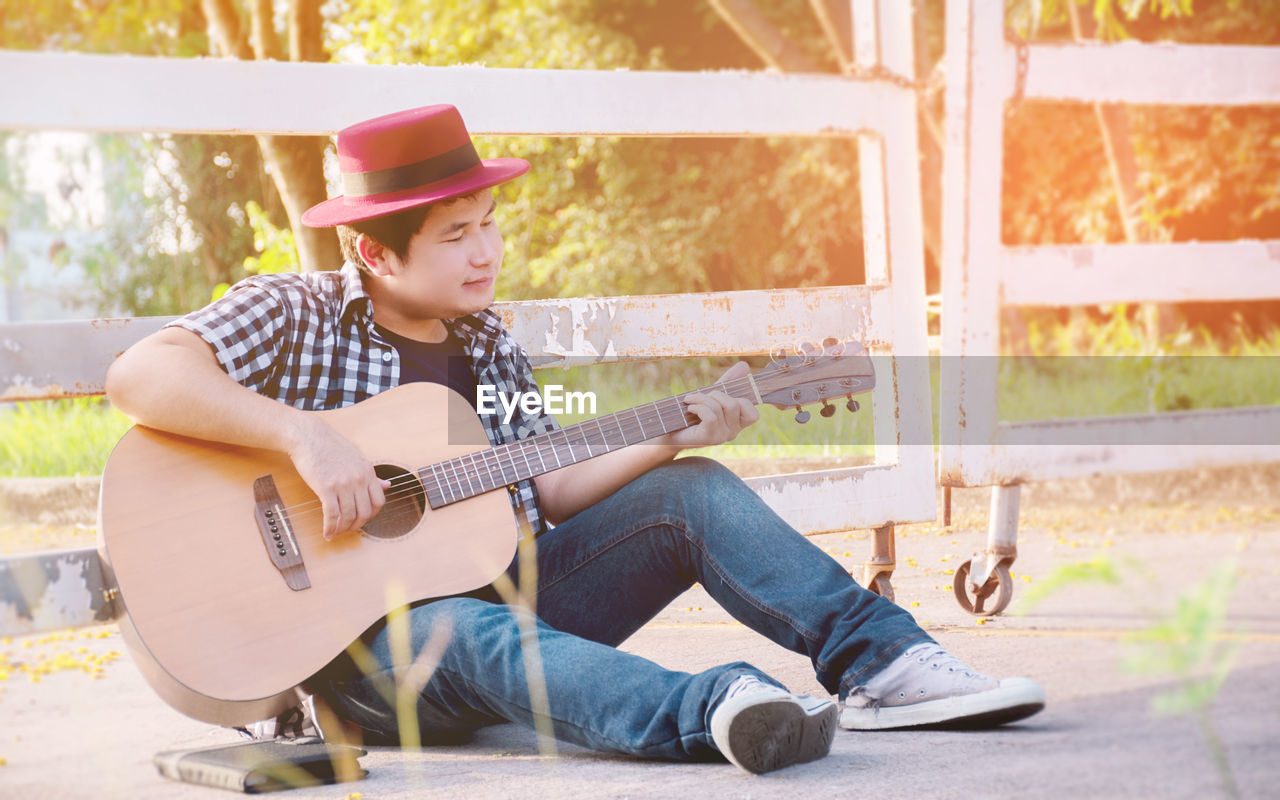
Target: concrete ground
column 76, row 719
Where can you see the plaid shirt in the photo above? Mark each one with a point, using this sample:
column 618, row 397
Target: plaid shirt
column 308, row 340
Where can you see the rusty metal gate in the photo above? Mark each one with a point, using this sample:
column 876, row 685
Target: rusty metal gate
column 981, row 275
column 116, row 93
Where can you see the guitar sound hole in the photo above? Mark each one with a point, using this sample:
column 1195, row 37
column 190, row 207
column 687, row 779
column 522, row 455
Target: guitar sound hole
column 406, row 503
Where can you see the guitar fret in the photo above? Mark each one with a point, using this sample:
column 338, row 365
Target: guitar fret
column 499, row 452
column 441, row 482
column 639, row 422
column 555, row 452
column 537, row 448
column 497, row 473
column 456, row 466
column 661, row 421
column 618, row 421
column 465, row 471
column 524, row 451
column 479, row 474
column 471, row 489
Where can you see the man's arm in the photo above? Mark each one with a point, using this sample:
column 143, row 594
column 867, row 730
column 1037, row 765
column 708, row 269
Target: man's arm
column 171, row 380
column 567, row 491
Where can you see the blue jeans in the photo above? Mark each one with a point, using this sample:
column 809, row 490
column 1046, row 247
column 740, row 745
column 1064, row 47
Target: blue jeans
column 602, row 575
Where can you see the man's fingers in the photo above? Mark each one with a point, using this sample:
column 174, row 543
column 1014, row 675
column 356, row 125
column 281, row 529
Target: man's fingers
column 349, row 509
column 738, row 370
column 363, row 508
column 330, row 505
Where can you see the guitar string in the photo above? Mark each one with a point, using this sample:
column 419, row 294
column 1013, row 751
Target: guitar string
column 419, row 487
column 492, row 458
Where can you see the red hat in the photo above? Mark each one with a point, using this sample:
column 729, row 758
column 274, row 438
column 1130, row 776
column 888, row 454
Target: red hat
column 407, row 159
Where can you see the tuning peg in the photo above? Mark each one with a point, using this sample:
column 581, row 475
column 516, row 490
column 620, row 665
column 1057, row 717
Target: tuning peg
column 827, row 409
column 852, row 405
column 802, row 416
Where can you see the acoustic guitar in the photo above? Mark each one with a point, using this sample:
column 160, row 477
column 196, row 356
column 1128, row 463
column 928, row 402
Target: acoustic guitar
column 233, row 598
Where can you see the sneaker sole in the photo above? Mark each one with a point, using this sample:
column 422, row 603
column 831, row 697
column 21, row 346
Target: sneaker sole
column 770, row 736
column 1014, row 699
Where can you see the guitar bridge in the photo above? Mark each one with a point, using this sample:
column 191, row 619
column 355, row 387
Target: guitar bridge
column 277, row 534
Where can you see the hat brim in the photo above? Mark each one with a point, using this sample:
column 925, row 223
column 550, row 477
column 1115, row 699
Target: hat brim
column 344, row 210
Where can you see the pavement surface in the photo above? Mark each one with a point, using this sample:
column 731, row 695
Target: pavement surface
column 77, row 720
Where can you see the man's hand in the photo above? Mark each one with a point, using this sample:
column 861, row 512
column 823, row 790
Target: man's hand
column 720, row 417
column 335, row 469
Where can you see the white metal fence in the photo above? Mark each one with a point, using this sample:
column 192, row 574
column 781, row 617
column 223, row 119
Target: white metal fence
column 118, row 93
column 981, row 275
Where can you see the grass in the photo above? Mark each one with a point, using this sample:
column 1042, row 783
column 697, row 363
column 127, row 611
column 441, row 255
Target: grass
column 1111, row 369
column 58, row 438
column 1108, row 366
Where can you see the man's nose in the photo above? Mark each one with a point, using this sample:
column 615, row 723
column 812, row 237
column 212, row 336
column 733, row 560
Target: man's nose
column 487, row 249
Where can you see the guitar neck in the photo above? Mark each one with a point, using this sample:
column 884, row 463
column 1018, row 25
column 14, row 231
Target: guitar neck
column 466, row 476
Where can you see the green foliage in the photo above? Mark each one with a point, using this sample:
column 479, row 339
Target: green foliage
column 608, row 216
column 1107, row 364
column 1204, row 173
column 58, row 438
column 1098, row 570
column 1027, row 17
column 173, row 226
column 604, row 216
column 139, row 27
column 1191, row 645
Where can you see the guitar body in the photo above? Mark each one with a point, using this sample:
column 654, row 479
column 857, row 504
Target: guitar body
column 211, row 620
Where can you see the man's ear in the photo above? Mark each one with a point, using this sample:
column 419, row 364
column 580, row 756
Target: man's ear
column 375, row 255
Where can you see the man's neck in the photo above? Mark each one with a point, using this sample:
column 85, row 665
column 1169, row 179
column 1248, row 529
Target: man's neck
column 431, row 330
column 389, row 314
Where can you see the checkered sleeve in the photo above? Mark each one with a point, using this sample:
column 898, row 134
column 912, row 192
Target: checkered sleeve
column 248, row 329
column 530, row 424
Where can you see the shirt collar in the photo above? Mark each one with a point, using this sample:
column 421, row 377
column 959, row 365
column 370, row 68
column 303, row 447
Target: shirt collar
column 481, row 328
column 354, row 297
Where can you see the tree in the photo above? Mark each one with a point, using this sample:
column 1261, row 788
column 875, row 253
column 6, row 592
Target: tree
column 167, row 240
column 607, row 215
column 296, row 162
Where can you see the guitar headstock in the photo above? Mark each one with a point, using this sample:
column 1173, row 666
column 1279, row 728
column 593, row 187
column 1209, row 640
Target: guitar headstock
column 816, row 374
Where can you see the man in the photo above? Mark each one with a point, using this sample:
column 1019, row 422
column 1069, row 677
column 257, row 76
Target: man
column 619, row 536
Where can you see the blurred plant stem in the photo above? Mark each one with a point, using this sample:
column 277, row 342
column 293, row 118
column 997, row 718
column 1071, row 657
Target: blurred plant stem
column 1191, row 645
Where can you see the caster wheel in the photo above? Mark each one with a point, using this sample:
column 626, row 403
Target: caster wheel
column 882, row 586
column 992, row 598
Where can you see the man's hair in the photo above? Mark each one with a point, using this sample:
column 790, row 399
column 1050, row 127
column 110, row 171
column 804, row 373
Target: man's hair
column 392, row 231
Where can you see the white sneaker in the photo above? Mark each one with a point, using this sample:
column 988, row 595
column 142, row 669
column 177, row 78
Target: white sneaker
column 926, row 685
column 298, row 722
column 761, row 728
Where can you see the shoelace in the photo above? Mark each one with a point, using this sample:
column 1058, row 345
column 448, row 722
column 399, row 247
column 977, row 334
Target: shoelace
column 935, row 657
column 744, row 683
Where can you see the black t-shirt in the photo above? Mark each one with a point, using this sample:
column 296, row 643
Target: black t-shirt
column 439, row 362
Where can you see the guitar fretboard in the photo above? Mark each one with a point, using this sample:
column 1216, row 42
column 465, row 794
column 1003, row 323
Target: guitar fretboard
column 483, row 471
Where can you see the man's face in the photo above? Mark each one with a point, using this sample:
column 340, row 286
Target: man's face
column 452, row 262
